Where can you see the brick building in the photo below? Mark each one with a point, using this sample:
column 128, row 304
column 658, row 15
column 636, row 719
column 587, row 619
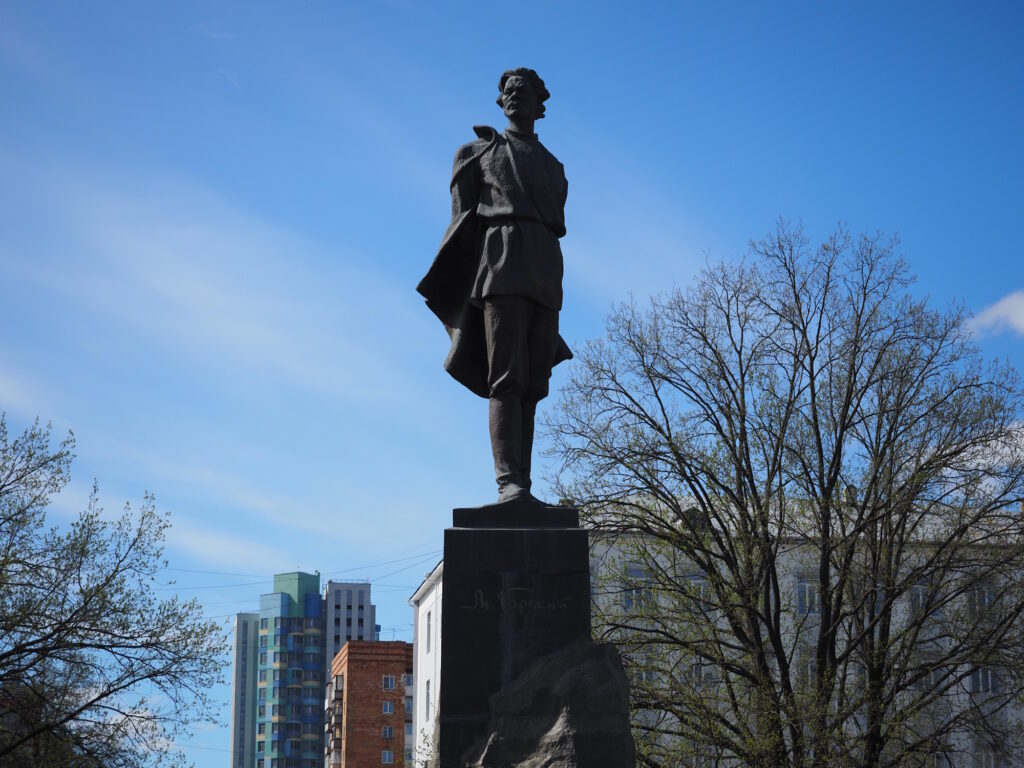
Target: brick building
column 369, row 706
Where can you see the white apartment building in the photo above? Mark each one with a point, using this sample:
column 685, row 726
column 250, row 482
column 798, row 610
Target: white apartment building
column 426, row 605
column 618, row 582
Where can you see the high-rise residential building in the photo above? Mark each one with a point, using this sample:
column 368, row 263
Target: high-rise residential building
column 348, row 615
column 368, row 707
column 243, row 689
column 282, row 658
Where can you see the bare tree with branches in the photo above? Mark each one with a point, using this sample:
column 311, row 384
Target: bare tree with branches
column 94, row 669
column 808, row 484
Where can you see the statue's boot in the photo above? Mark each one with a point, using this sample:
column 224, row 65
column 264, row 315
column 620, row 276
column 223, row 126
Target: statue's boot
column 529, row 411
column 506, row 426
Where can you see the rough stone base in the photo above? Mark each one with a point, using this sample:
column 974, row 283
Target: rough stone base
column 568, row 710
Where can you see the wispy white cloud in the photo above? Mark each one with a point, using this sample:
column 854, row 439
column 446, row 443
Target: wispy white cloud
column 212, row 31
column 1005, row 314
column 24, row 396
column 227, row 77
column 377, row 125
column 230, row 550
column 179, row 264
column 245, row 496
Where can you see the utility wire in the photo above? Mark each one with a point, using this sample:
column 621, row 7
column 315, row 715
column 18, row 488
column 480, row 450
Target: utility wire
column 259, row 575
column 168, row 587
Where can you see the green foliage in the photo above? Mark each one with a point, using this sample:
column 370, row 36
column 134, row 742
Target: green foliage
column 94, row 669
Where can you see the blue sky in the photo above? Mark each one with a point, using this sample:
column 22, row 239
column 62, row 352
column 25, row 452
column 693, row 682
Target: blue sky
column 213, row 218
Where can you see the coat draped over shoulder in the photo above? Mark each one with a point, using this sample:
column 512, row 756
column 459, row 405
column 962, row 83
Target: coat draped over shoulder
column 449, row 281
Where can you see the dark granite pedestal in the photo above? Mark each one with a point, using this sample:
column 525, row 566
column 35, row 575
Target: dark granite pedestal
column 516, row 588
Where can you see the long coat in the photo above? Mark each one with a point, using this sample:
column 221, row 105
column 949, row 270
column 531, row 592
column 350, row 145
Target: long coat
column 447, row 284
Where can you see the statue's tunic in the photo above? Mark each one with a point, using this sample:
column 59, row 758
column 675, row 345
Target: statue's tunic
column 519, row 193
column 508, row 200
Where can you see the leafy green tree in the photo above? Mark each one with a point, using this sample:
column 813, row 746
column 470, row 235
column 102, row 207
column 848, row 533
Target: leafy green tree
column 94, row 669
column 807, row 484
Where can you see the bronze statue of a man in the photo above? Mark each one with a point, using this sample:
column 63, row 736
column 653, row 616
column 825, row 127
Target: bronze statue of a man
column 496, row 282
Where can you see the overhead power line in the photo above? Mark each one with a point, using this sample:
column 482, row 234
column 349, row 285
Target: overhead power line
column 168, row 587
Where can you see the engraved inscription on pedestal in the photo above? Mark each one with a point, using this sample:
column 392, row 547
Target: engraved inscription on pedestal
column 511, row 596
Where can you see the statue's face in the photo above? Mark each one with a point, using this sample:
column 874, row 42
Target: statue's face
column 519, row 99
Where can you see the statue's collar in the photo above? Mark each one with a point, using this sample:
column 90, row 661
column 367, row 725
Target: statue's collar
column 521, row 134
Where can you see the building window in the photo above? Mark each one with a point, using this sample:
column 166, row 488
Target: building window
column 263, row 641
column 983, row 680
column 389, row 682
column 698, row 673
column 263, row 675
column 277, row 621
column 408, row 679
column 807, row 600
column 980, row 600
column 387, row 757
column 428, row 631
column 260, row 745
column 261, row 710
column 263, row 658
column 263, row 623
column 985, row 757
column 388, row 708
column 636, row 592
column 427, row 700
column 408, row 730
column 387, row 732
column 261, row 728
column 408, row 703
column 700, row 591
column 259, row 763
column 806, row 671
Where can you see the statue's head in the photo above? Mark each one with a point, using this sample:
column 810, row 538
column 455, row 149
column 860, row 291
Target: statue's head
column 522, row 91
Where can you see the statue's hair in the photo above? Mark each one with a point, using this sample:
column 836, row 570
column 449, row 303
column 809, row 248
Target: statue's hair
column 535, row 82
